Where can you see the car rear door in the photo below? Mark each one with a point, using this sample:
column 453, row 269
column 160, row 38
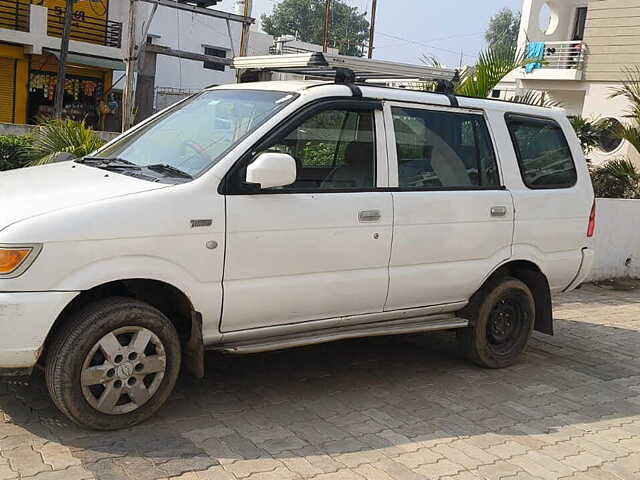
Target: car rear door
column 318, row 248
column 453, row 218
column 552, row 193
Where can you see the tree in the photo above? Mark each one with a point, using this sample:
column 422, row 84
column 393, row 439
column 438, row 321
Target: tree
column 630, row 90
column 503, row 28
column 305, row 20
column 588, row 132
column 616, row 179
column 493, row 65
column 67, row 138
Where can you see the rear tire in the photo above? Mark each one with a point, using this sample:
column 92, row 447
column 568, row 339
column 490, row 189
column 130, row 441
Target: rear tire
column 113, row 364
column 501, row 326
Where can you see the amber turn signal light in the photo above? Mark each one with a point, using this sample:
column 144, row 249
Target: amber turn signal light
column 12, row 258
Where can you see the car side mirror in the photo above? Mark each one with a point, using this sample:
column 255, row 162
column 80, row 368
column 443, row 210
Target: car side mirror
column 272, row 169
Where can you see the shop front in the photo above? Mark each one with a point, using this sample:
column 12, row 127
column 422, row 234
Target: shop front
column 87, row 88
column 13, row 84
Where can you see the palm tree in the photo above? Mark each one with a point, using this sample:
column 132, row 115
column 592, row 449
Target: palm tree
column 616, row 179
column 493, row 65
column 630, row 90
column 55, row 137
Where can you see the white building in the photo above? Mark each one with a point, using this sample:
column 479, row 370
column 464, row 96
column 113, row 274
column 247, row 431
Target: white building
column 176, row 78
column 587, row 44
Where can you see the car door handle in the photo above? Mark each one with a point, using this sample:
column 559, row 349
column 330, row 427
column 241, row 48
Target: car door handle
column 498, row 211
column 369, row 216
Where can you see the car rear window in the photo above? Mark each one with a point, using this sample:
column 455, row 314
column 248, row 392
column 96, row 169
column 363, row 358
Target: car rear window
column 543, row 152
column 442, row 149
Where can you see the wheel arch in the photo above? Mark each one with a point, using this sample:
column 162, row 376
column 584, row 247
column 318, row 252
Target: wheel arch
column 533, row 276
column 172, row 301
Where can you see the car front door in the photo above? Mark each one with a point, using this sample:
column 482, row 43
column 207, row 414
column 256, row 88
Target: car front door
column 318, row 248
column 453, row 218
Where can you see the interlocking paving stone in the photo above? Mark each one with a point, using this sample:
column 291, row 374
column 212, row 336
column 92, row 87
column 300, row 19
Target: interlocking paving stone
column 401, row 408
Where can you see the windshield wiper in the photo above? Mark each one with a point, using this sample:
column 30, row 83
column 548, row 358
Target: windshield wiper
column 170, row 170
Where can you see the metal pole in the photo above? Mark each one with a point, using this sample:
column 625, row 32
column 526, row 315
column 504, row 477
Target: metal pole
column 64, row 49
column 127, row 95
column 372, row 30
column 327, row 23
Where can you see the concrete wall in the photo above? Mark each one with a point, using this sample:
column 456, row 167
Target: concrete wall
column 183, row 30
column 617, row 239
column 23, row 130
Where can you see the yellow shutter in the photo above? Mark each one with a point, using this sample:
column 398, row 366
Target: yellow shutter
column 7, row 89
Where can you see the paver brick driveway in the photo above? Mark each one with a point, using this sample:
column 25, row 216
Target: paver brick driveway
column 399, row 407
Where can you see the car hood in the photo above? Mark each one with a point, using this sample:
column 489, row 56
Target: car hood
column 29, row 192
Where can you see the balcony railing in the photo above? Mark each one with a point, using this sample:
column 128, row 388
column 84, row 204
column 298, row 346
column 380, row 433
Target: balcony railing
column 564, row 55
column 14, row 15
column 85, row 28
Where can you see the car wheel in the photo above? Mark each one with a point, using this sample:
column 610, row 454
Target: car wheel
column 113, row 364
column 501, row 326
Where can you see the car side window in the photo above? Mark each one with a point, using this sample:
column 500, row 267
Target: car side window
column 334, row 150
column 443, row 149
column 543, row 152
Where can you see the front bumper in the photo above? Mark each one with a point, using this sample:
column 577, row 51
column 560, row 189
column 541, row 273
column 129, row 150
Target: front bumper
column 25, row 321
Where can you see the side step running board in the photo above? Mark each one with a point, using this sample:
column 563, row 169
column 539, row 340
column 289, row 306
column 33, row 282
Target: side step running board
column 397, row 327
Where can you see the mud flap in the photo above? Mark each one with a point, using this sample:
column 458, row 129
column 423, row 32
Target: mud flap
column 193, row 355
column 539, row 286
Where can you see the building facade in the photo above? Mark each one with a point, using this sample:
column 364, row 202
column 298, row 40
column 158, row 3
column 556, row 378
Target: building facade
column 30, row 32
column 587, row 45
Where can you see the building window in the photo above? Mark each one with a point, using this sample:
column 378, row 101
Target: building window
column 215, row 52
column 581, row 21
column 495, row 93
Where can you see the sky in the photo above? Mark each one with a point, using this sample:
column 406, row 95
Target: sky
column 408, row 29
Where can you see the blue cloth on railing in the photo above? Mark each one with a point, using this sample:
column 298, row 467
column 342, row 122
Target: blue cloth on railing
column 534, row 50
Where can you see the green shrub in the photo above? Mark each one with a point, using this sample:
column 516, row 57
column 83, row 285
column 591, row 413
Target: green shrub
column 63, row 136
column 15, row 152
column 616, row 179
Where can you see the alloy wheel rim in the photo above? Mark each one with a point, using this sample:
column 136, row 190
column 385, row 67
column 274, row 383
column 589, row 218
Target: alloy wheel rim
column 123, row 370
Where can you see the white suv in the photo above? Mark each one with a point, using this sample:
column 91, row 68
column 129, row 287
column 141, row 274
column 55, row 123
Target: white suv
column 263, row 216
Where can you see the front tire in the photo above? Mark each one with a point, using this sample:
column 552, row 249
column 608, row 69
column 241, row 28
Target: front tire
column 501, row 326
column 113, row 364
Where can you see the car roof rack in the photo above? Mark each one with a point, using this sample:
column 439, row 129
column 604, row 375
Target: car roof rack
column 344, row 69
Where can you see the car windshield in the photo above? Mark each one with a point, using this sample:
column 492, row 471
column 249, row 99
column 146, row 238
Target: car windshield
column 190, row 138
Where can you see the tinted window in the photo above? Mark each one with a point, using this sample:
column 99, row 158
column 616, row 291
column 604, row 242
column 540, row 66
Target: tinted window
column 543, row 152
column 438, row 149
column 333, row 149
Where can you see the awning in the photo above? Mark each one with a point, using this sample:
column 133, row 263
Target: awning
column 77, row 59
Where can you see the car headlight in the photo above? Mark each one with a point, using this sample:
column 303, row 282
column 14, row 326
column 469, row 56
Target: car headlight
column 15, row 259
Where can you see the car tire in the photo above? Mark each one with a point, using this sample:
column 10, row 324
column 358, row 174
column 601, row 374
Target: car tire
column 502, row 322
column 113, row 364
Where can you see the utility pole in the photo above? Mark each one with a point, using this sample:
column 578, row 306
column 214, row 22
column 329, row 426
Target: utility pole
column 244, row 39
column 62, row 61
column 372, row 30
column 327, row 25
column 131, row 61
